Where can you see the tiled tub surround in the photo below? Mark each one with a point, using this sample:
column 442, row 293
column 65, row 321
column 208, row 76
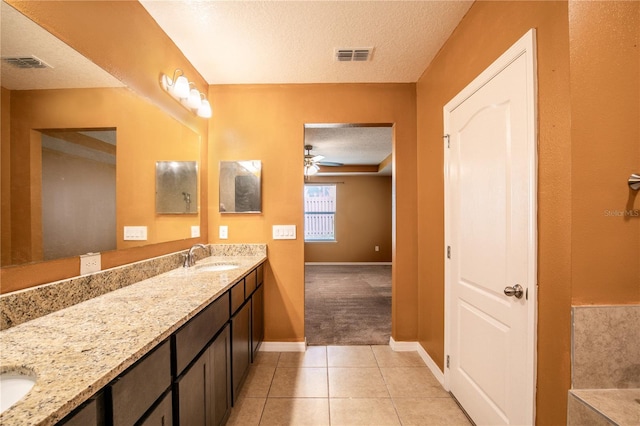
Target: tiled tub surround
column 25, row 305
column 78, row 350
column 605, row 365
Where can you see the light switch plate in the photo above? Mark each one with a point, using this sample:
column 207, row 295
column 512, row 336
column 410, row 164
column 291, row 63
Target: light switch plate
column 195, row 231
column 135, row 233
column 284, row 232
column 89, row 263
column 223, row 232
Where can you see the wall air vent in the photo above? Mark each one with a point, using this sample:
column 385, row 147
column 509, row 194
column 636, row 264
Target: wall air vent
column 25, row 62
column 359, row 54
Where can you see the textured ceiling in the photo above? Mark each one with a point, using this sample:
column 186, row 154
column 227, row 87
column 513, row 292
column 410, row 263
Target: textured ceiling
column 268, row 42
column 350, row 145
column 271, row 42
column 22, row 37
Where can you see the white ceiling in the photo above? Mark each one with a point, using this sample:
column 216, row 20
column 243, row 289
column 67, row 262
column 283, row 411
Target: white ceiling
column 281, row 42
column 288, row 42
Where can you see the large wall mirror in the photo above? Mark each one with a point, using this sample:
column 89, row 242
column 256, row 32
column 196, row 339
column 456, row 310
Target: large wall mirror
column 79, row 153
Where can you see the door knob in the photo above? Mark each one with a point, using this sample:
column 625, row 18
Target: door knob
column 516, row 291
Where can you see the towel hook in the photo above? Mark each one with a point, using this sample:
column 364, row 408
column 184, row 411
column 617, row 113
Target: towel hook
column 634, row 181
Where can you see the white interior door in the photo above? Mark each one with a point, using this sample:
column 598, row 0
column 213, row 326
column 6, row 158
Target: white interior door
column 490, row 187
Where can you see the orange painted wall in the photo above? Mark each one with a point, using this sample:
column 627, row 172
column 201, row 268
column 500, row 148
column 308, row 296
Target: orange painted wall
column 488, row 29
column 266, row 122
column 363, row 221
column 605, row 134
column 5, row 177
column 589, row 143
column 123, row 39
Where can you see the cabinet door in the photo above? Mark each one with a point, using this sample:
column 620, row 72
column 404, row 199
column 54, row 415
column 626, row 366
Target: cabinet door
column 257, row 321
column 193, row 392
column 162, row 415
column 221, row 376
column 240, row 347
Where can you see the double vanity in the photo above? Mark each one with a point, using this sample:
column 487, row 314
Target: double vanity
column 171, row 349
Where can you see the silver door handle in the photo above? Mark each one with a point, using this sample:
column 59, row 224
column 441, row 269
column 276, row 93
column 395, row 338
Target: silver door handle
column 516, row 291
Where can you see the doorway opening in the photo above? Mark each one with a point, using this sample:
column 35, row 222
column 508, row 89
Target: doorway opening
column 349, row 215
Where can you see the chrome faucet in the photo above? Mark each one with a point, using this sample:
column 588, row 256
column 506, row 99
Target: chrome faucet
column 189, row 258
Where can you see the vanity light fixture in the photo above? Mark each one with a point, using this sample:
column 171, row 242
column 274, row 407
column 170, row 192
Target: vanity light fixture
column 191, row 98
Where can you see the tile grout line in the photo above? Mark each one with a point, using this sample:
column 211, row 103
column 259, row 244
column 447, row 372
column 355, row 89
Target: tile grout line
column 264, row 407
column 326, row 359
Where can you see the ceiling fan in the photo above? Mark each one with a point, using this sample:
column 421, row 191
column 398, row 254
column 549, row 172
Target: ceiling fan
column 311, row 162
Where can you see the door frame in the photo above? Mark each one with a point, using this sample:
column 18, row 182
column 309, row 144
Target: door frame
column 525, row 46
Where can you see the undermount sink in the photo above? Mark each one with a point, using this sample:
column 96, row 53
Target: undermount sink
column 216, row 268
column 13, row 387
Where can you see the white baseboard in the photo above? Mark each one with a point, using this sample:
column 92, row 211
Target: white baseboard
column 283, row 346
column 347, row 263
column 415, row 346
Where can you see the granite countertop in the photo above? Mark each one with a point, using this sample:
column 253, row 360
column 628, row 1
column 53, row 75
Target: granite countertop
column 76, row 351
column 620, row 406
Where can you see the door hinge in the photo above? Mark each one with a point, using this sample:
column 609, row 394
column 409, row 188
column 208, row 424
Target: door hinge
column 448, row 252
column 448, row 140
column 447, row 361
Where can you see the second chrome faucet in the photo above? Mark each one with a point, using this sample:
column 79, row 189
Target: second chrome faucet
column 189, row 258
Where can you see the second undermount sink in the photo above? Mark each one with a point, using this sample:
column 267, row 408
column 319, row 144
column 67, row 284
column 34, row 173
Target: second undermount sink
column 216, row 267
column 13, row 387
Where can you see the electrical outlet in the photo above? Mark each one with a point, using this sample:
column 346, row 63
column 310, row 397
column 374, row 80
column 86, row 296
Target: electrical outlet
column 223, row 232
column 377, row 248
column 89, row 263
column 195, row 231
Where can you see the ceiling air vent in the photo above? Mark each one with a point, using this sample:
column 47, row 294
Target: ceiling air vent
column 359, row 54
column 26, row 62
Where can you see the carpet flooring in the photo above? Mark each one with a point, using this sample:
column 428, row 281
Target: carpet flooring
column 348, row 304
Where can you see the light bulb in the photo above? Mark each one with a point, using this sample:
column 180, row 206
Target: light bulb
column 311, row 169
column 194, row 100
column 180, row 87
column 205, row 109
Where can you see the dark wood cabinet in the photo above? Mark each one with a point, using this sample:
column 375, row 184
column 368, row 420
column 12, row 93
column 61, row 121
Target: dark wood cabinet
column 194, row 377
column 221, row 381
column 198, row 332
column 257, row 321
column 133, row 393
column 91, row 413
column 204, row 390
column 240, row 347
column 162, row 414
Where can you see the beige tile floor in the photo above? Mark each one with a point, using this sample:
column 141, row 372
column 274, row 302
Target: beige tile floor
column 343, row 385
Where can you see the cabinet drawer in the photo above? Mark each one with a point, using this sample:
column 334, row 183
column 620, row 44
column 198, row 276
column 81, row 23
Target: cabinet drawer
column 136, row 391
column 237, row 296
column 260, row 274
column 195, row 334
column 250, row 283
column 90, row 414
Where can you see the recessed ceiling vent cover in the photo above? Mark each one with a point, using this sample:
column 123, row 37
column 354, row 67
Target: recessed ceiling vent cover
column 26, row 62
column 360, row 54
